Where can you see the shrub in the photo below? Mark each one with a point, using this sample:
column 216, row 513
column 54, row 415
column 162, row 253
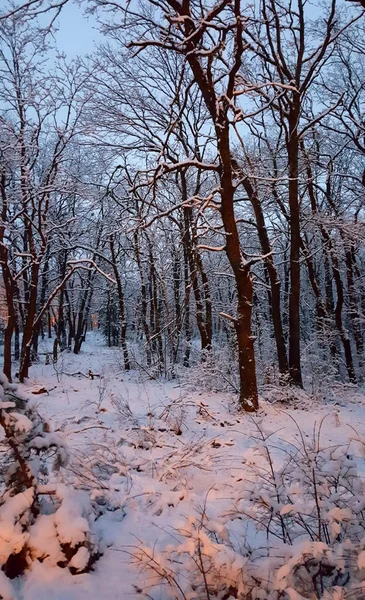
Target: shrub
column 302, row 524
column 38, row 519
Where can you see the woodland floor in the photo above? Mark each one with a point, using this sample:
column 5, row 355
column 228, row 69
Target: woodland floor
column 159, row 452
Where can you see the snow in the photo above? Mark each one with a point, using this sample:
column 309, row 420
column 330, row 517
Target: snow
column 12, row 538
column 70, row 519
column 47, row 440
column 6, row 589
column 22, row 423
column 361, row 560
column 44, row 541
column 168, row 468
column 80, row 560
column 5, row 405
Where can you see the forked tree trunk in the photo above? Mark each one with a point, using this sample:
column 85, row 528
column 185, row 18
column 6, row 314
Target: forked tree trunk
column 83, row 313
column 218, row 109
column 219, row 106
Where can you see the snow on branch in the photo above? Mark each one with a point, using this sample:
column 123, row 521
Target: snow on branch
column 83, row 263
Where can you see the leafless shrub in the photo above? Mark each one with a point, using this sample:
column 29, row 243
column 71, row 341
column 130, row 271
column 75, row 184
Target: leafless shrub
column 121, row 405
column 217, row 372
column 306, row 510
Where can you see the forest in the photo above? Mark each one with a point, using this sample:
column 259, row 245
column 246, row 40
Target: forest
column 182, row 292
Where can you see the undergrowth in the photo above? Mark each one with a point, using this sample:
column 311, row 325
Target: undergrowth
column 295, row 531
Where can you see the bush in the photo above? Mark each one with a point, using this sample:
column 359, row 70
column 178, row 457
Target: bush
column 38, row 519
column 217, row 371
column 302, row 525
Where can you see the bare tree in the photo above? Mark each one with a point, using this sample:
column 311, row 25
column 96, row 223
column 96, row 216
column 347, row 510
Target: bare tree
column 293, row 56
column 210, row 40
column 40, row 116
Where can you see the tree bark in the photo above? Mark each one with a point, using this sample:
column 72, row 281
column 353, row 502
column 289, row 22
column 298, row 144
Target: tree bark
column 275, row 305
column 242, row 322
column 122, row 315
column 294, row 294
column 8, row 282
column 203, row 308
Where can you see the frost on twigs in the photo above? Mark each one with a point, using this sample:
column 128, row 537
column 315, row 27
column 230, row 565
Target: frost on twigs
column 38, row 519
column 216, row 372
column 295, row 530
column 310, row 507
column 200, row 564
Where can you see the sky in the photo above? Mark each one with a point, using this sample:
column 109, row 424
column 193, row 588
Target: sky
column 77, row 33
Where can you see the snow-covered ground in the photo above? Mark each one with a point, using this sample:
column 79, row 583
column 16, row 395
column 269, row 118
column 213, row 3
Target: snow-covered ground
column 165, row 463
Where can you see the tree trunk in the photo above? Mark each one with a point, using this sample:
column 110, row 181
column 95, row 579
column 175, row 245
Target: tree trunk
column 8, row 283
column 242, row 322
column 155, row 311
column 122, row 315
column 29, row 321
column 273, row 278
column 143, row 299
column 61, row 325
column 294, row 294
column 82, row 313
column 203, row 321
column 335, row 271
column 187, row 310
column 353, row 307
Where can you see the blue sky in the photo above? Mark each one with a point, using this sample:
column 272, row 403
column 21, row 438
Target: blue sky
column 77, row 33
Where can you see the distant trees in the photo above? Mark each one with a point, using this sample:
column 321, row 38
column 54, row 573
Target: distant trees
column 39, row 124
